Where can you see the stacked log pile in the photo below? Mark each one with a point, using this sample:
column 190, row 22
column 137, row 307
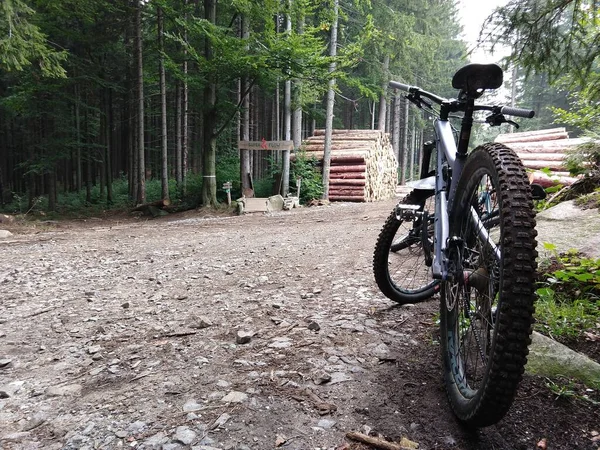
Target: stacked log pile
column 543, row 149
column 363, row 165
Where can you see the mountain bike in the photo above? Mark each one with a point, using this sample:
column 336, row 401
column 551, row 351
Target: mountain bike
column 467, row 231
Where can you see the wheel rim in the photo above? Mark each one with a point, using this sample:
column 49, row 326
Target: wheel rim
column 407, row 269
column 472, row 298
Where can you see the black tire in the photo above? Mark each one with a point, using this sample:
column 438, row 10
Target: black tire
column 399, row 266
column 487, row 310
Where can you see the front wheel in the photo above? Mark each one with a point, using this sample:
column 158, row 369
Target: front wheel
column 487, row 307
column 401, row 260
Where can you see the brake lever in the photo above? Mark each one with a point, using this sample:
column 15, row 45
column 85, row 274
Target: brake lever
column 414, row 99
column 514, row 124
column 497, row 119
column 418, row 101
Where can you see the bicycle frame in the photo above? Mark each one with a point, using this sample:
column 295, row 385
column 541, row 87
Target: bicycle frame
column 449, row 161
column 452, row 154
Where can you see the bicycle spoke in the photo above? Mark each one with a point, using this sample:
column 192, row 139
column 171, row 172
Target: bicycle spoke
column 400, row 262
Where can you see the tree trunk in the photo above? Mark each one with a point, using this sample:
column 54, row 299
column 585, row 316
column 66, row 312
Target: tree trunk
column 245, row 154
column 513, row 91
column 51, row 188
column 287, row 122
column 330, row 102
column 209, row 182
column 78, row 137
column 109, row 149
column 296, row 99
column 178, row 148
column 88, row 157
column 164, row 174
column 411, row 160
column 1, row 187
column 141, row 189
column 185, row 129
column 134, row 155
column 382, row 98
column 372, row 113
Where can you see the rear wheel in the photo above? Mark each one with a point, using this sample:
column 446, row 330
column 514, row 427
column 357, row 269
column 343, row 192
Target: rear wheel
column 487, row 308
column 401, row 261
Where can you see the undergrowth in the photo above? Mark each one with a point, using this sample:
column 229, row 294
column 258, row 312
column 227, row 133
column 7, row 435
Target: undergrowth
column 568, row 301
column 77, row 205
column 306, row 170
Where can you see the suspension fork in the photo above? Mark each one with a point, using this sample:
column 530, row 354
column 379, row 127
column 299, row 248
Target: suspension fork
column 451, row 160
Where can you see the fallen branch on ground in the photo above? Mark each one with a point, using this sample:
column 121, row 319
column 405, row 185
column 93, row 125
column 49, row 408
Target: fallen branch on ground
column 375, row 442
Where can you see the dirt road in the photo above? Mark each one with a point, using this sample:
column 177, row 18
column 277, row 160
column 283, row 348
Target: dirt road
column 244, row 332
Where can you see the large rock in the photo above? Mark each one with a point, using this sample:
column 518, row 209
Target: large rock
column 6, row 219
column 5, row 234
column 569, row 227
column 549, row 358
column 276, row 203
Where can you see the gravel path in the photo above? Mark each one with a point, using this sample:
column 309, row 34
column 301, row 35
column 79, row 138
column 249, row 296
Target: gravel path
column 251, row 332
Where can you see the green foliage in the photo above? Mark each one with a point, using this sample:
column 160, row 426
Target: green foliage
column 311, row 184
column 551, row 36
column 569, row 294
column 228, row 170
column 265, row 187
column 589, row 201
column 574, row 275
column 23, row 44
column 193, row 188
column 585, row 112
column 561, row 318
column 55, row 125
column 550, row 200
column 568, row 389
column 585, row 159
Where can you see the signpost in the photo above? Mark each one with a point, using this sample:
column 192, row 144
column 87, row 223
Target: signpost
column 266, row 145
column 227, row 188
column 285, row 146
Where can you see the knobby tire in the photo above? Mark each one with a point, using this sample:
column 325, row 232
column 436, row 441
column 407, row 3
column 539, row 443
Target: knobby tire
column 489, row 303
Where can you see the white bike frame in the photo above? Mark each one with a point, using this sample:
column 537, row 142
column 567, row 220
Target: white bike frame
column 449, row 162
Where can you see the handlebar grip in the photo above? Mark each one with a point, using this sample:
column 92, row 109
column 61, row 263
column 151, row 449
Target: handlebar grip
column 509, row 110
column 401, row 86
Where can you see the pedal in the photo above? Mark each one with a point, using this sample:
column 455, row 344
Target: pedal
column 407, row 212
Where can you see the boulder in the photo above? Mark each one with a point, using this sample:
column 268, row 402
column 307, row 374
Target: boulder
column 552, row 359
column 5, row 234
column 569, row 227
column 276, row 203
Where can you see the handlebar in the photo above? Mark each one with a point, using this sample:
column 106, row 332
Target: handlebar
column 415, row 93
column 401, row 86
column 418, row 91
column 518, row 112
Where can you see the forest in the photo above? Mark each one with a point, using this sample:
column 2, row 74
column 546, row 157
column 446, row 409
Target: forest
column 113, row 103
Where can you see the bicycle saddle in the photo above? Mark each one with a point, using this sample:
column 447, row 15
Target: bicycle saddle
column 472, row 79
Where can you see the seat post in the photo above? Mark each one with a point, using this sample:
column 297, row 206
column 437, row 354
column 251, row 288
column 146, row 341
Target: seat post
column 465, row 128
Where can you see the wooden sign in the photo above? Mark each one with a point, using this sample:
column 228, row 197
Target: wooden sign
column 227, row 186
column 266, row 145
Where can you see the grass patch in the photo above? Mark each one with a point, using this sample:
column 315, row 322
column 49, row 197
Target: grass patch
column 568, row 301
column 589, row 201
column 559, row 316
